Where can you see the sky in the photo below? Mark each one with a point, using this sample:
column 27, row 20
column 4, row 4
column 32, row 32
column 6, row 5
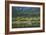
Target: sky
column 26, row 8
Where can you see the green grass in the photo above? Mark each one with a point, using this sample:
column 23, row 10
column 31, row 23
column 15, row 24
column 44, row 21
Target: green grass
column 25, row 25
column 25, row 18
column 35, row 22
